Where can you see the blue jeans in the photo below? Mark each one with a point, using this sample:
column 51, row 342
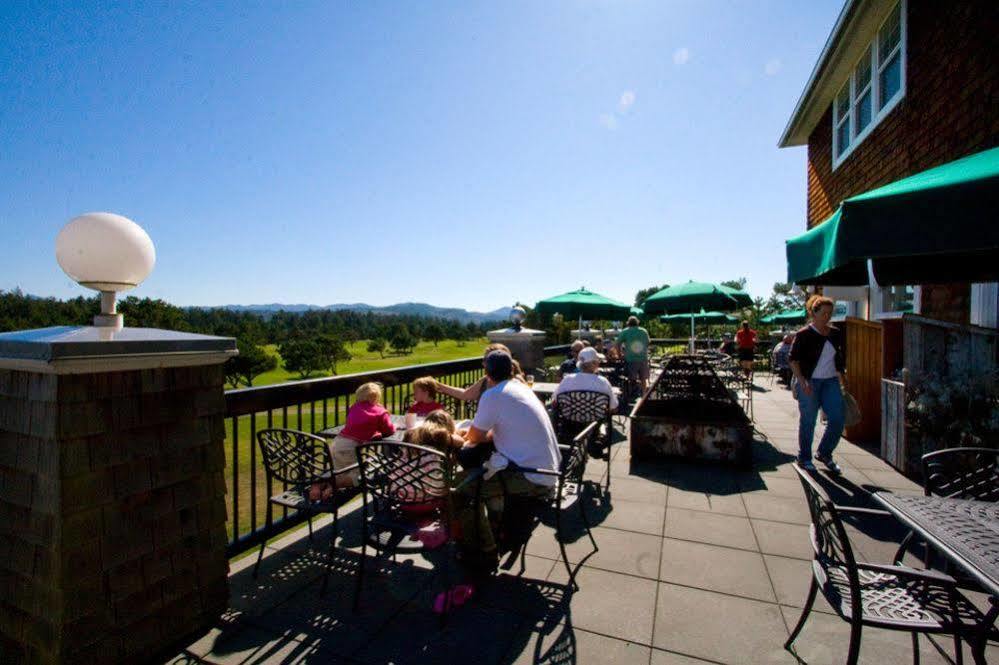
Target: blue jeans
column 827, row 394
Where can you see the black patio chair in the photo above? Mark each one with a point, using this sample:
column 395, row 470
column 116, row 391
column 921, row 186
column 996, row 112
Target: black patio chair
column 862, row 594
column 957, row 473
column 568, row 493
column 393, row 476
column 303, row 464
column 575, row 410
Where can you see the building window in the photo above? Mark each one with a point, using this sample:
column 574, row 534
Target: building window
column 875, row 86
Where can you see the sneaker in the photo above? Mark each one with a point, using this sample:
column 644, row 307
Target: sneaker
column 807, row 465
column 830, row 464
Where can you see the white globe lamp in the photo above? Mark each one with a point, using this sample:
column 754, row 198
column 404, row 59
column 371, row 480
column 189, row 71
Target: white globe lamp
column 108, row 253
column 517, row 316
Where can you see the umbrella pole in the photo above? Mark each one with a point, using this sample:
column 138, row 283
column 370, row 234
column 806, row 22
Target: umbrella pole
column 692, row 333
column 580, row 327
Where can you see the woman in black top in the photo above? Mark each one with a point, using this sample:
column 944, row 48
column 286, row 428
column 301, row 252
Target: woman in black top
column 818, row 362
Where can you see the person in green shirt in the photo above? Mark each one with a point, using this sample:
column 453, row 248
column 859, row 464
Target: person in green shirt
column 634, row 344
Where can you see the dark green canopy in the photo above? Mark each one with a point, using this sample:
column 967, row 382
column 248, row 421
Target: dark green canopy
column 706, row 318
column 688, row 298
column 584, row 304
column 936, row 226
column 791, row 316
column 741, row 297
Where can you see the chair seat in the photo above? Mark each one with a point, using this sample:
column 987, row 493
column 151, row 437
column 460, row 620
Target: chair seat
column 898, row 601
column 297, row 501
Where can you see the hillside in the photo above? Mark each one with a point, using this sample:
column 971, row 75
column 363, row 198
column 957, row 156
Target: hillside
column 406, row 308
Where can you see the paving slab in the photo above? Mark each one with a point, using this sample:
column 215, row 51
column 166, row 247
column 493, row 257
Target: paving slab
column 613, row 604
column 712, row 528
column 719, row 627
column 724, row 569
column 784, row 539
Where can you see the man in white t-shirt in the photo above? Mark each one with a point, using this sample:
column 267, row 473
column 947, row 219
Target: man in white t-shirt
column 587, row 378
column 514, row 419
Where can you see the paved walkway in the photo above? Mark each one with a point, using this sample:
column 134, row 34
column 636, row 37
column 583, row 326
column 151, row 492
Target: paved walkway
column 696, row 564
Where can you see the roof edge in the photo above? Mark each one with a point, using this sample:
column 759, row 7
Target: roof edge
column 845, row 14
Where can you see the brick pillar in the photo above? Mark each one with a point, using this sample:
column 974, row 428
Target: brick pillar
column 112, row 510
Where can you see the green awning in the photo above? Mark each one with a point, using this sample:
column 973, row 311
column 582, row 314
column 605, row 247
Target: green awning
column 936, row 226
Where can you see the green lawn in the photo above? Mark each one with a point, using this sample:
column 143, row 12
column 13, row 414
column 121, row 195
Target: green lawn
column 364, row 361
column 312, row 418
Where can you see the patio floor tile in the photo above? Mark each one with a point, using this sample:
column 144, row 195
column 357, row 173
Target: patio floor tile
column 567, row 644
column 738, row 572
column 726, row 504
column 612, row 603
column 777, row 508
column 712, row 528
column 620, row 552
column 791, row 540
column 719, row 627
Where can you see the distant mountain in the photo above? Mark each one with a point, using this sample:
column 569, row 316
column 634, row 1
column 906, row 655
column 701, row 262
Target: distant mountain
column 404, row 308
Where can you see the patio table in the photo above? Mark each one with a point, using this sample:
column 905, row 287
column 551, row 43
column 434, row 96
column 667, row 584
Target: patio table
column 400, row 428
column 965, row 532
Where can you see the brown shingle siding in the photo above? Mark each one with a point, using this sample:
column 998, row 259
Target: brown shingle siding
column 949, row 109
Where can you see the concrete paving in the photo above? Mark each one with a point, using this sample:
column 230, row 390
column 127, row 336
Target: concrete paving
column 697, row 564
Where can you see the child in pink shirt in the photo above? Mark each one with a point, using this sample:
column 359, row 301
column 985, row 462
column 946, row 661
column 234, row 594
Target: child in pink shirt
column 367, row 420
column 424, row 397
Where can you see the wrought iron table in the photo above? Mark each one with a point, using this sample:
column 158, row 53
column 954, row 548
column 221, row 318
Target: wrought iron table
column 965, row 532
column 546, row 390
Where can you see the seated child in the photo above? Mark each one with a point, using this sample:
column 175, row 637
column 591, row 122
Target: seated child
column 424, row 397
column 367, row 420
column 437, row 432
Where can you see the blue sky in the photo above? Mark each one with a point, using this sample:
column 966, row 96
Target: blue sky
column 466, row 154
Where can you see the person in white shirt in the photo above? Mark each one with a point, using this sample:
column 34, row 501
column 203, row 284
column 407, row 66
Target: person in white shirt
column 515, row 421
column 586, row 378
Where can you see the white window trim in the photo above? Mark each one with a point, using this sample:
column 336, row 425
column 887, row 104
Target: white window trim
column 876, row 115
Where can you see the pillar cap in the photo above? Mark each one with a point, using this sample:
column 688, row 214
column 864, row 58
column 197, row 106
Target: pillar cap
column 87, row 349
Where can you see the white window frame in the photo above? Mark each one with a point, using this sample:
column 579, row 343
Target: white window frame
column 871, row 50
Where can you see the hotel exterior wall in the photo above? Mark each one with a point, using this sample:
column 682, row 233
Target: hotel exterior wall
column 949, row 109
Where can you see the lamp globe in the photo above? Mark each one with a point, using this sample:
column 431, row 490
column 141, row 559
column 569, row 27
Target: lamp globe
column 108, row 253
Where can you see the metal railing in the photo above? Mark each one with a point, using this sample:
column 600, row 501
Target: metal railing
column 311, row 406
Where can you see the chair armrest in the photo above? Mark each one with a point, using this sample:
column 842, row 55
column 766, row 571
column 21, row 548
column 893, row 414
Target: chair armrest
column 853, row 510
column 346, row 469
column 565, row 447
column 527, row 469
column 911, row 573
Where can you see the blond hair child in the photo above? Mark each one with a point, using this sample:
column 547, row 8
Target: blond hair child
column 424, row 396
column 367, row 420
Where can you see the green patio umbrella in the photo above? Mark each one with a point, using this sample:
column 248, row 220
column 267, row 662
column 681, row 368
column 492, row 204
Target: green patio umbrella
column 706, row 318
column 689, row 299
column 582, row 304
column 791, row 316
column 741, row 297
column 637, row 311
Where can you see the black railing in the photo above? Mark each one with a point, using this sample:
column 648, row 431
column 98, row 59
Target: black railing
column 311, row 406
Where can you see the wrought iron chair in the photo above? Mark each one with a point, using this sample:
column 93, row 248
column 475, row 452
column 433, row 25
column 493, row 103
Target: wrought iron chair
column 957, row 473
column 892, row 597
column 393, row 476
column 574, row 410
column 303, row 463
column 568, row 493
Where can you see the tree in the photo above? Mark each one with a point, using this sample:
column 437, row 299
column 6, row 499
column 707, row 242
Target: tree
column 251, row 362
column 784, row 297
column 305, row 357
column 377, row 345
column 737, row 284
column 334, row 351
column 434, row 332
column 402, row 341
column 642, row 295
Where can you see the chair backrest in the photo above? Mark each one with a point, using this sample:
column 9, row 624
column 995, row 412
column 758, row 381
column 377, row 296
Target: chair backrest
column 829, row 540
column 403, row 473
column 294, row 457
column 574, row 460
column 962, row 473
